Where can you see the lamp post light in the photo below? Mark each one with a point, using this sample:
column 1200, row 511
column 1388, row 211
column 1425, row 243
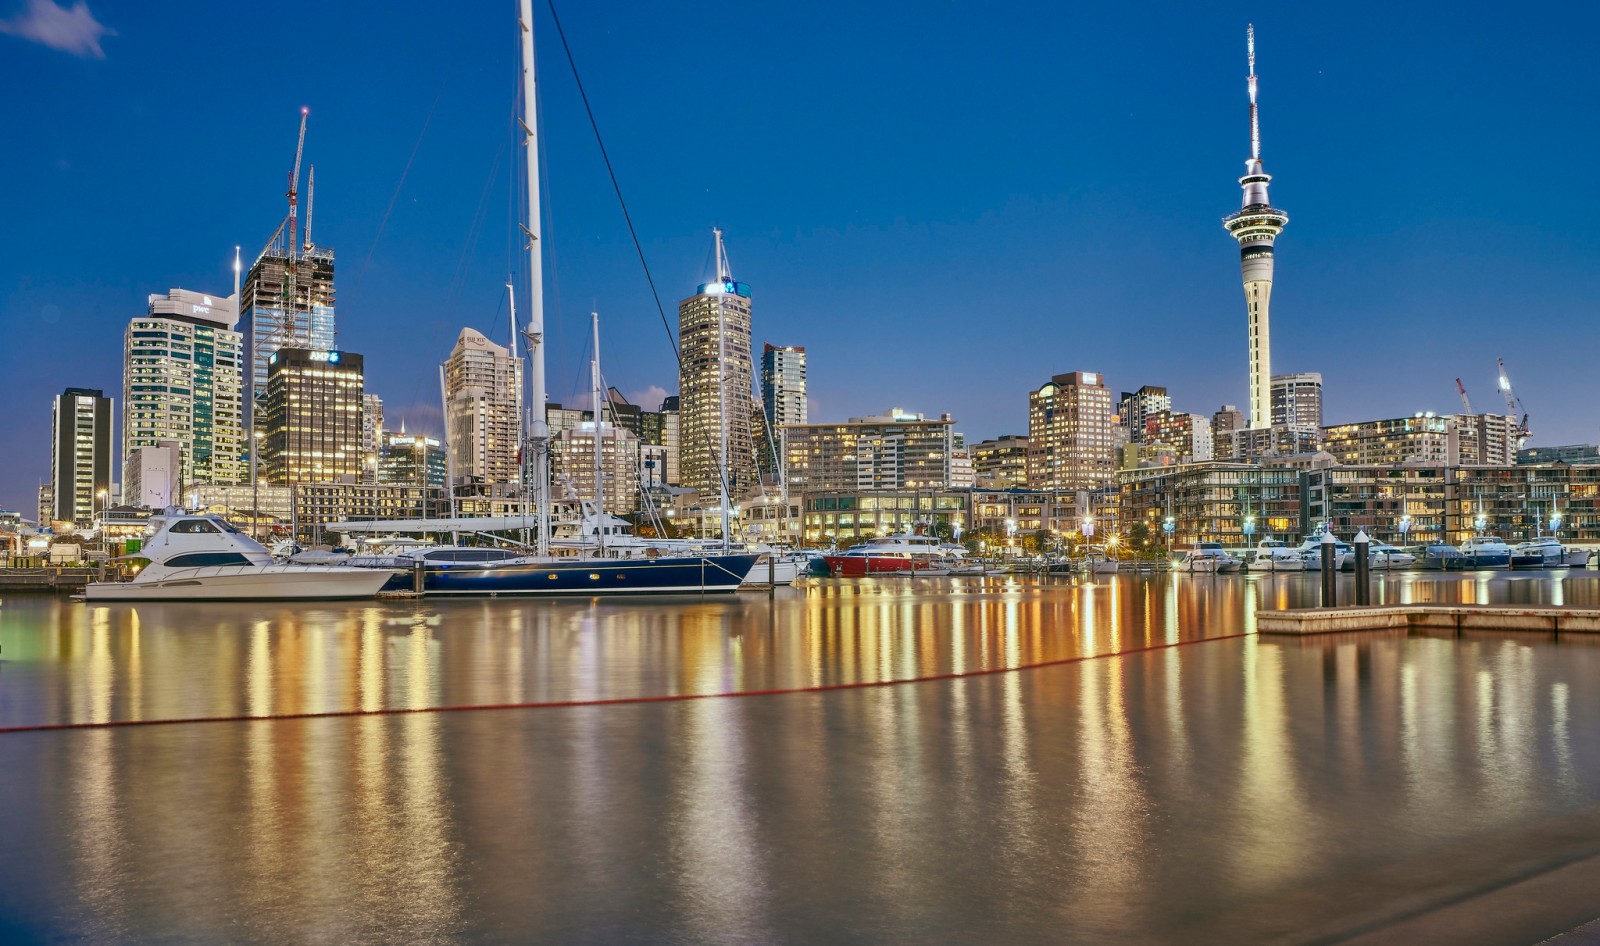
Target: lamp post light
column 1405, row 528
column 103, row 498
column 1169, row 526
column 1555, row 522
column 1249, row 528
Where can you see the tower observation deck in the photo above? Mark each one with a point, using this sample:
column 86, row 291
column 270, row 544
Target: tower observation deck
column 1256, row 226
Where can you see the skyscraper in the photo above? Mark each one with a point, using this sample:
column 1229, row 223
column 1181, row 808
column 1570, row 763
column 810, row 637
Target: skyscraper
column 371, row 436
column 183, row 382
column 80, row 461
column 1256, row 226
column 313, row 417
column 783, row 384
column 481, row 384
column 1069, row 433
column 1297, row 399
column 714, row 384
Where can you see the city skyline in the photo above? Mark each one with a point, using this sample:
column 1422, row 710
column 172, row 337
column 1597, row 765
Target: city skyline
column 1410, row 213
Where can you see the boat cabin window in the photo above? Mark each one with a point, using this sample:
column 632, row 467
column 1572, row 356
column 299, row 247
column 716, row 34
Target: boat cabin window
column 198, row 559
column 193, row 527
column 470, row 555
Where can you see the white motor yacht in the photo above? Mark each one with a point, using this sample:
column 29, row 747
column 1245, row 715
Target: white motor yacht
column 1389, row 556
column 1552, row 553
column 1274, row 555
column 1486, row 551
column 1208, row 557
column 203, row 558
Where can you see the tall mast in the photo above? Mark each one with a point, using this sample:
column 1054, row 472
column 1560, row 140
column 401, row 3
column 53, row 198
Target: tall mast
column 522, row 420
column 539, row 429
column 599, row 436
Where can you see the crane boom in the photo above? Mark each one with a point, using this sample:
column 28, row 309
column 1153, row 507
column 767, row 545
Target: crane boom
column 1513, row 403
column 311, row 197
column 294, row 177
column 1466, row 405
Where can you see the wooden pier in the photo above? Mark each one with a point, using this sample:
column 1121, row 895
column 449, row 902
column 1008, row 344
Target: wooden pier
column 1452, row 618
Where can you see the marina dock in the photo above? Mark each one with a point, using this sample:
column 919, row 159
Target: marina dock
column 52, row 580
column 1453, row 618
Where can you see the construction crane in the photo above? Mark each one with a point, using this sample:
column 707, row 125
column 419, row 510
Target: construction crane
column 1513, row 404
column 311, row 196
column 1466, row 405
column 294, row 178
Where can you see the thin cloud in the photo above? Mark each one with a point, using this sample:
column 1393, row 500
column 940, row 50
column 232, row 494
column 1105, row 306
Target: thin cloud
column 72, row 30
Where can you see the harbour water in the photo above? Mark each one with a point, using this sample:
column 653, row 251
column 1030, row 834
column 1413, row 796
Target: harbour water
column 1204, row 786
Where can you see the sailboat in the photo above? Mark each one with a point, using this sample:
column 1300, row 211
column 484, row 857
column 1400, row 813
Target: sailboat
column 449, row 570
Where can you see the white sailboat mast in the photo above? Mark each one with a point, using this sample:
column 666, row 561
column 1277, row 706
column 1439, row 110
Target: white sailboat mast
column 724, row 275
column 599, row 436
column 538, row 434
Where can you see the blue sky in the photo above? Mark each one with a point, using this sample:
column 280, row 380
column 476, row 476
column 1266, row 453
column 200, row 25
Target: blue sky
column 946, row 203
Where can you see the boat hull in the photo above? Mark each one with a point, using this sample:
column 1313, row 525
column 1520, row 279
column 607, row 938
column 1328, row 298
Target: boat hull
column 709, row 574
column 781, row 572
column 245, row 583
column 857, row 566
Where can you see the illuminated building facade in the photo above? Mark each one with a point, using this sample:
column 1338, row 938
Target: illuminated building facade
column 715, row 386
column 574, row 467
column 1070, row 444
column 312, row 432
column 481, row 383
column 371, row 436
column 183, row 382
column 1297, row 399
column 1134, row 407
column 411, row 460
column 80, row 461
column 896, row 450
column 286, row 301
column 1001, row 463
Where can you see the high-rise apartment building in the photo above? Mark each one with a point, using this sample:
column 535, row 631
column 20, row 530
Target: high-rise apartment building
column 1297, row 399
column 893, row 450
column 481, row 382
column 573, row 454
column 80, row 461
column 1421, row 438
column 714, row 384
column 183, row 383
column 1187, row 435
column 1069, row 433
column 672, row 439
column 371, row 436
column 783, row 384
column 1256, row 226
column 312, row 431
column 1224, row 422
column 1134, row 407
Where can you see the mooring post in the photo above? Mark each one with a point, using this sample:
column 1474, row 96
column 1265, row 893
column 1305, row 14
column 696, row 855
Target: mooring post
column 418, row 569
column 772, row 574
column 1330, row 571
column 1363, row 575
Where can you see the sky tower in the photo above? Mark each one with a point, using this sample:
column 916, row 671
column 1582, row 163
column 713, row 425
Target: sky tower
column 1256, row 225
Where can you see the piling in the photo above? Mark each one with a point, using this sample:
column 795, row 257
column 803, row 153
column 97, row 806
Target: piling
column 1330, row 571
column 418, row 570
column 1363, row 575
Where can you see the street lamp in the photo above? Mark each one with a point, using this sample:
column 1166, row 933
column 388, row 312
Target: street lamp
column 103, row 497
column 1249, row 527
column 1555, row 522
column 1169, row 526
column 1405, row 528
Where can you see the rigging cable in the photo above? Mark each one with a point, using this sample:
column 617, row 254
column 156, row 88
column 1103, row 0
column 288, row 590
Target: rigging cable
column 628, row 218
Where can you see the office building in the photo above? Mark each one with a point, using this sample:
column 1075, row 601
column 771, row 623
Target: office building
column 411, row 460
column 80, row 461
column 1236, row 504
column 482, row 384
column 1069, row 433
column 1133, row 408
column 1256, row 226
column 312, row 432
column 183, row 383
column 896, row 450
column 1297, row 399
column 1001, row 463
column 714, row 385
column 1574, row 454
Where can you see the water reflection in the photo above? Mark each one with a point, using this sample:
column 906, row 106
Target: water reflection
column 1225, row 791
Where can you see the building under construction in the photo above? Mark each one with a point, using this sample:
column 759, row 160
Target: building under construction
column 287, row 299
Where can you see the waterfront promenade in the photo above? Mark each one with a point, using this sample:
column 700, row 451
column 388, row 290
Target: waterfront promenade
column 1110, row 761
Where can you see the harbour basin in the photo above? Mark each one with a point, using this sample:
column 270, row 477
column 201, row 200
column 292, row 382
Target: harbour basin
column 1061, row 760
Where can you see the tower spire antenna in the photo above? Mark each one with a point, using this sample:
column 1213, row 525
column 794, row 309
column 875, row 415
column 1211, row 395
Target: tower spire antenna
column 1255, row 122
column 724, row 271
